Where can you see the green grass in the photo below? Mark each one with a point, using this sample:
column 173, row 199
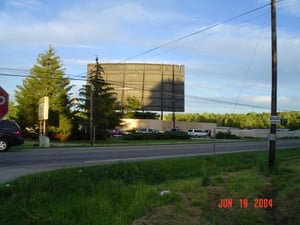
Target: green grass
column 129, row 193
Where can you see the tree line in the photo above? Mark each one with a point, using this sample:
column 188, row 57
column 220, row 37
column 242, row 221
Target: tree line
column 289, row 120
column 69, row 117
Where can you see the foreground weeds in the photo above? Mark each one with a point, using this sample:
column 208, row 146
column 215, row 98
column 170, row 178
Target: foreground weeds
column 169, row 191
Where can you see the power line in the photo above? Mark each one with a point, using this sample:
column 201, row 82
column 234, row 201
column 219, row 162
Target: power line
column 198, row 98
column 225, row 102
column 13, row 69
column 250, row 64
column 11, row 72
column 176, row 40
column 196, row 32
column 162, row 46
column 28, row 76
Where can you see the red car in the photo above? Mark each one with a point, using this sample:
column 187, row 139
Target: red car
column 116, row 133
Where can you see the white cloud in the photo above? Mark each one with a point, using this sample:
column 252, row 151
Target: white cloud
column 259, row 99
column 76, row 61
column 87, row 22
column 292, row 7
column 23, row 3
column 231, row 60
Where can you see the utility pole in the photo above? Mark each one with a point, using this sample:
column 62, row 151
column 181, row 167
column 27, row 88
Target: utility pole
column 173, row 98
column 92, row 81
column 91, row 109
column 162, row 94
column 272, row 138
column 92, row 114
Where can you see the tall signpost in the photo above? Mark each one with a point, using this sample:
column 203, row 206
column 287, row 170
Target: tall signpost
column 43, row 117
column 4, row 99
column 274, row 118
column 43, row 114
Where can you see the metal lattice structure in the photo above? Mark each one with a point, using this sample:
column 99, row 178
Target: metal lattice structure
column 158, row 87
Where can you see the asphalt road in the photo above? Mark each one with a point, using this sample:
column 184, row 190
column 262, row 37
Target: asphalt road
column 23, row 162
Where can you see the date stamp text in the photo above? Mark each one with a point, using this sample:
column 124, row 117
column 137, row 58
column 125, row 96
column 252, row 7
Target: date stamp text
column 257, row 203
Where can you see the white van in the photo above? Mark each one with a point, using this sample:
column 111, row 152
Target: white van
column 147, row 130
column 198, row 133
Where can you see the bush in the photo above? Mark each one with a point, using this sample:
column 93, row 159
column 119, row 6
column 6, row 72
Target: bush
column 156, row 136
column 226, row 135
column 176, row 135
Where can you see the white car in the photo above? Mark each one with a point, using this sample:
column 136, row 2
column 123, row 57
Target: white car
column 198, row 133
column 147, row 130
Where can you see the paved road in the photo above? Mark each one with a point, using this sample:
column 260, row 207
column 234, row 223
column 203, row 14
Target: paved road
column 23, row 162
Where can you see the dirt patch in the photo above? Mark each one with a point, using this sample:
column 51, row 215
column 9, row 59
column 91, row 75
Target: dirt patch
column 180, row 213
column 190, row 208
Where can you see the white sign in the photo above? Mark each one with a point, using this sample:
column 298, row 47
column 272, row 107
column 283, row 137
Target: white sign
column 43, row 108
column 275, row 120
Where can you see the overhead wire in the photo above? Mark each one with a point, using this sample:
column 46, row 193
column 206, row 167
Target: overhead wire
column 73, row 77
column 196, row 32
column 249, row 66
column 166, row 92
column 188, row 35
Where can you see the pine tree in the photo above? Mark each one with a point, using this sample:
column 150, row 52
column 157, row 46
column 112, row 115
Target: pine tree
column 104, row 103
column 47, row 78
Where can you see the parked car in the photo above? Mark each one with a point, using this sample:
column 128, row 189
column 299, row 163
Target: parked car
column 10, row 135
column 198, row 133
column 147, row 130
column 177, row 129
column 116, row 133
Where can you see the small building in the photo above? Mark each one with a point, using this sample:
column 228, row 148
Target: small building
column 162, row 125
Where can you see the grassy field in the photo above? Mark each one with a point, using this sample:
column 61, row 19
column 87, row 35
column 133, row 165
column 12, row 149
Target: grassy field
column 170, row 191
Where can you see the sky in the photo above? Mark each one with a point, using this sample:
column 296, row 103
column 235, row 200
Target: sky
column 226, row 50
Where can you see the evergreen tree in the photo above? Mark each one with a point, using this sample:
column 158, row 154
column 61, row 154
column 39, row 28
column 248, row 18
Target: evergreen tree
column 12, row 112
column 46, row 79
column 104, row 103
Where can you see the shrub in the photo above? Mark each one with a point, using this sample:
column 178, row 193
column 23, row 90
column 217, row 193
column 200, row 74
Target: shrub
column 226, row 135
column 156, row 136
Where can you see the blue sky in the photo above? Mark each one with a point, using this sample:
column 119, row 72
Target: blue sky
column 227, row 67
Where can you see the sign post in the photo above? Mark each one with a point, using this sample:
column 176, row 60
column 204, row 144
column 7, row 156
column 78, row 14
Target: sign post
column 4, row 100
column 43, row 116
column 275, row 120
column 43, row 113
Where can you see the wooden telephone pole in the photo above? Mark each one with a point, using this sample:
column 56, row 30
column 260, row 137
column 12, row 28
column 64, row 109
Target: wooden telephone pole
column 274, row 119
column 93, row 77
